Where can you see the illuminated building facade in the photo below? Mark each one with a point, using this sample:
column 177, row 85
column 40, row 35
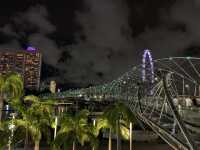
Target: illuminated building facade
column 27, row 63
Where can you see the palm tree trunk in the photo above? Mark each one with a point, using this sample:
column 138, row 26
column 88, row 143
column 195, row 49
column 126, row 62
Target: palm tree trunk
column 74, row 145
column 26, row 142
column 131, row 135
column 118, row 136
column 1, row 107
column 26, row 138
column 110, row 140
column 37, row 145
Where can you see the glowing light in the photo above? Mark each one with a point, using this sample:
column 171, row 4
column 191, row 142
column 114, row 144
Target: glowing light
column 31, row 49
column 7, row 107
column 187, row 86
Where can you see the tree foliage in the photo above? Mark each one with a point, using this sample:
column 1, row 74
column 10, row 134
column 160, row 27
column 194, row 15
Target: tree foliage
column 76, row 129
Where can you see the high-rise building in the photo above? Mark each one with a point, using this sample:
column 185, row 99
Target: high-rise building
column 52, row 87
column 27, row 63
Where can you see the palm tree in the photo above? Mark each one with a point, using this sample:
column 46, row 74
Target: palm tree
column 103, row 123
column 11, row 86
column 35, row 120
column 76, row 129
column 117, row 119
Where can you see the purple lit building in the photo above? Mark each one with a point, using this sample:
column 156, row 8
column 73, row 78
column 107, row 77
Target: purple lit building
column 25, row 62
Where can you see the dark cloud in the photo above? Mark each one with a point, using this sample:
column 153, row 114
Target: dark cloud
column 175, row 33
column 187, row 13
column 105, row 24
column 146, row 14
column 107, row 37
column 32, row 27
column 37, row 17
column 107, row 43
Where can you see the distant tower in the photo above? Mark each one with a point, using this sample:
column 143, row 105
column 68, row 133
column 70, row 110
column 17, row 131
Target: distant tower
column 52, row 86
column 27, row 63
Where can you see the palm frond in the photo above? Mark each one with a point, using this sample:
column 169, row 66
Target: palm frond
column 102, row 123
column 77, row 128
column 31, row 98
column 124, row 131
column 13, row 85
column 35, row 119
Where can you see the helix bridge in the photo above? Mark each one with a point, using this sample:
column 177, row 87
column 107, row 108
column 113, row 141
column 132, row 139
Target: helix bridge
column 164, row 94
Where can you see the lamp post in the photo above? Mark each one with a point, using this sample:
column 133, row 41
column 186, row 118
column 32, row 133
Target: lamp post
column 11, row 127
column 131, row 135
column 56, row 121
column 94, row 124
column 188, row 89
column 56, row 124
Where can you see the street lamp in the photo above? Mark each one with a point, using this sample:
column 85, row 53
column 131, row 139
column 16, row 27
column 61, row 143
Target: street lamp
column 55, row 128
column 56, row 121
column 131, row 135
column 11, row 127
column 187, row 88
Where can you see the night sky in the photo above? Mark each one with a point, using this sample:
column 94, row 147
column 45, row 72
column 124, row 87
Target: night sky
column 89, row 42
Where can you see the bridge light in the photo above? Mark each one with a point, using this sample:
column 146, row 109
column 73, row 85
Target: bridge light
column 188, row 57
column 187, row 86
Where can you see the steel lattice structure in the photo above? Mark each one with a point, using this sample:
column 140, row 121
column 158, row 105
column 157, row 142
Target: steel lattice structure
column 171, row 110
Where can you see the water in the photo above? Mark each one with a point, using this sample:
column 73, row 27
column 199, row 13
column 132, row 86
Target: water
column 137, row 146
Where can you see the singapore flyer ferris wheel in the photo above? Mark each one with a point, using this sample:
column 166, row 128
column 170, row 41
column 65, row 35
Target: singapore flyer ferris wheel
column 147, row 67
